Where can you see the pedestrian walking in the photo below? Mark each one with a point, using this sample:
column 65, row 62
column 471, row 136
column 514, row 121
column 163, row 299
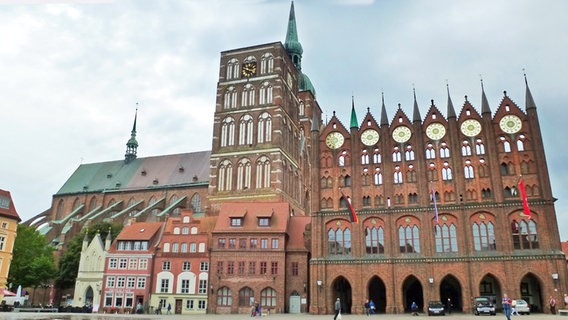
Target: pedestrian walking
column 514, row 308
column 169, row 309
column 367, row 308
column 565, row 301
column 337, row 308
column 506, row 306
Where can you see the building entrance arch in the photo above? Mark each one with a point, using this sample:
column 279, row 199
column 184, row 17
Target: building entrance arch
column 377, row 293
column 412, row 292
column 450, row 288
column 531, row 292
column 341, row 289
column 490, row 287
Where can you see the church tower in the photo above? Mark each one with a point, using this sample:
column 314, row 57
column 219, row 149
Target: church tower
column 261, row 125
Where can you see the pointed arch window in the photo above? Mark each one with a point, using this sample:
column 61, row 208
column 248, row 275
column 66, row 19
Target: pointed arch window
column 446, row 238
column 409, row 153
column 376, row 156
column 432, row 173
column 466, row 149
column 228, row 132
column 232, row 69
column 482, row 168
column 266, row 63
column 264, row 128
column 505, row 143
column 397, row 175
column 446, row 172
column 364, row 157
column 248, row 96
column 430, row 152
column 375, row 240
column 302, row 109
column 245, row 130
column 524, row 234
column 410, row 174
column 521, row 143
column 243, row 174
column 225, row 180
column 339, row 241
column 444, row 150
column 378, row 177
column 263, row 173
column 396, row 155
column 196, row 203
column 230, row 101
column 479, row 147
column 484, row 236
column 409, row 239
column 265, row 93
column 468, row 170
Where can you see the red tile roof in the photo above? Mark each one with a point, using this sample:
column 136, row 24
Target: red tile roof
column 139, row 231
column 7, row 208
column 250, row 212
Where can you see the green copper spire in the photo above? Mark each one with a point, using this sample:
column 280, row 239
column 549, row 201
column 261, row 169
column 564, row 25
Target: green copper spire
column 132, row 144
column 292, row 45
column 354, row 122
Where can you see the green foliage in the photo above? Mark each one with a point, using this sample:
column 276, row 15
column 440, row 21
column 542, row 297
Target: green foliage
column 33, row 263
column 69, row 262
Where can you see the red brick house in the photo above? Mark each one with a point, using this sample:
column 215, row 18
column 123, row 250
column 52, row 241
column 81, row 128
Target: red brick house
column 129, row 268
column 181, row 265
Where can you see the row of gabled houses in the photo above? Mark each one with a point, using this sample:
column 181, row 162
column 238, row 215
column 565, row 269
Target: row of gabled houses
column 193, row 264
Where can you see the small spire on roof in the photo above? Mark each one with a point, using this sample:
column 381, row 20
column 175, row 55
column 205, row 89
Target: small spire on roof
column 484, row 103
column 529, row 101
column 451, row 110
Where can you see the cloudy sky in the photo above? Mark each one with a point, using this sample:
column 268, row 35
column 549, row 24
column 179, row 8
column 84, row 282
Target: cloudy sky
column 73, row 72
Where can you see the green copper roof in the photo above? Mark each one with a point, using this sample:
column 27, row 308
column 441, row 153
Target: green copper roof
column 306, row 85
column 292, row 44
column 354, row 122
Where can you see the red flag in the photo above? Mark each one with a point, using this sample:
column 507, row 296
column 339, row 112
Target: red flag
column 352, row 213
column 526, row 208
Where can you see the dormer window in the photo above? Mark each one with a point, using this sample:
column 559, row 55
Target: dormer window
column 264, row 219
column 236, row 222
column 264, row 222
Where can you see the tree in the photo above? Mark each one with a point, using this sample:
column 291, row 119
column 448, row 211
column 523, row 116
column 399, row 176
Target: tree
column 33, row 263
column 69, row 262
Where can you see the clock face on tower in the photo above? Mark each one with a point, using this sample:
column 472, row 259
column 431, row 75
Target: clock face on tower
column 249, row 69
column 370, row 137
column 334, row 140
column 401, row 134
column 436, row 131
column 470, row 127
column 510, row 124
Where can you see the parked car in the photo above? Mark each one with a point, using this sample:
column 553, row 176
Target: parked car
column 522, row 306
column 436, row 308
column 483, row 305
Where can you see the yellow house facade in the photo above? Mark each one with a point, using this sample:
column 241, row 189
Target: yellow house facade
column 9, row 220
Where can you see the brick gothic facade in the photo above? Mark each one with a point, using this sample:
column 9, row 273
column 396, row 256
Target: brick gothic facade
column 276, row 172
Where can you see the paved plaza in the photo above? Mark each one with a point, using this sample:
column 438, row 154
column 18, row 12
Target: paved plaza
column 68, row 316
